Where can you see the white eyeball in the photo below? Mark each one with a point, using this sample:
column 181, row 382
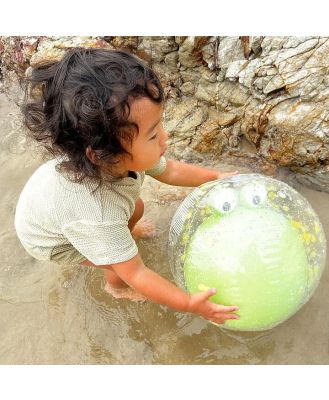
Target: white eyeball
column 224, row 200
column 254, row 195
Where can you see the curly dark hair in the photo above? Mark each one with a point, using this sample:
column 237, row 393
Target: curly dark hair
column 83, row 101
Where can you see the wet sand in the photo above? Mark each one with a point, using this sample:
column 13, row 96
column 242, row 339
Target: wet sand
column 60, row 315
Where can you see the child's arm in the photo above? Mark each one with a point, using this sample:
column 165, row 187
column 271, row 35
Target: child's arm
column 182, row 174
column 161, row 291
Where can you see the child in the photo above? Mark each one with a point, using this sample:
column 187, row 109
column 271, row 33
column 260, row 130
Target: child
column 99, row 113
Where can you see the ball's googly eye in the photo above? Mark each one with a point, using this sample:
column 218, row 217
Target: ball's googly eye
column 256, row 200
column 223, row 199
column 226, row 206
column 254, row 195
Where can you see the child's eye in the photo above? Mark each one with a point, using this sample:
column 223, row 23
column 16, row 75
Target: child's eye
column 153, row 137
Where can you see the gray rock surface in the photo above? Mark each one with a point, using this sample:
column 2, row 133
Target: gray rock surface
column 255, row 101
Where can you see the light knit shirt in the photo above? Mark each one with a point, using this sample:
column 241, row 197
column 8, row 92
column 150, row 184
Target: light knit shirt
column 66, row 222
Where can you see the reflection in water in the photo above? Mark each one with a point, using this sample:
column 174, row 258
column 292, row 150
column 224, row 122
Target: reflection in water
column 61, row 315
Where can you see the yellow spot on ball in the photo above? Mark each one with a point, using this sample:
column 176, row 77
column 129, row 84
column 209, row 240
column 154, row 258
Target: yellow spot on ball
column 316, row 227
column 185, row 238
column 203, row 287
column 296, row 224
column 306, row 237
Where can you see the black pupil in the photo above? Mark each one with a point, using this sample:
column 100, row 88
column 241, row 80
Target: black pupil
column 226, row 206
column 256, row 200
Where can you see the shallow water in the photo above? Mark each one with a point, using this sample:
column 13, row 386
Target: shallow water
column 60, row 315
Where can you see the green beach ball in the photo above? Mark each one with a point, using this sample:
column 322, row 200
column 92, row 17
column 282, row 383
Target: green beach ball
column 253, row 238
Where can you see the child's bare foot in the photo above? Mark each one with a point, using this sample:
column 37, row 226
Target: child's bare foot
column 143, row 229
column 124, row 293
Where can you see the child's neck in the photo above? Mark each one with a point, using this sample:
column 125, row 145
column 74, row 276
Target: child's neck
column 119, row 174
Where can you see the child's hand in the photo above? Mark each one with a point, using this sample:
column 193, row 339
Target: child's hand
column 225, row 174
column 199, row 304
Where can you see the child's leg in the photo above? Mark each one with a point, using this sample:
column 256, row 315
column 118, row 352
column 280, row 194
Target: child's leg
column 115, row 285
column 118, row 288
column 137, row 215
column 113, row 279
column 110, row 276
column 124, row 293
column 142, row 229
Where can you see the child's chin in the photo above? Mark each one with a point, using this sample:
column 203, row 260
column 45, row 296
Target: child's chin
column 155, row 164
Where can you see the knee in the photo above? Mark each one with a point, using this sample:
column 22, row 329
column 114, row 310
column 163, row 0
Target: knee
column 138, row 213
column 139, row 208
column 113, row 279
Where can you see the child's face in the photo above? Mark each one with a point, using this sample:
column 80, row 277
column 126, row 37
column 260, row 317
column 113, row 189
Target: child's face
column 150, row 143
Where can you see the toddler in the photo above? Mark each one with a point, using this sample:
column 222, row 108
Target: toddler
column 99, row 113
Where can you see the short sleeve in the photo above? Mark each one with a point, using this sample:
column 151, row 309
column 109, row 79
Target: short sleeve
column 158, row 169
column 102, row 243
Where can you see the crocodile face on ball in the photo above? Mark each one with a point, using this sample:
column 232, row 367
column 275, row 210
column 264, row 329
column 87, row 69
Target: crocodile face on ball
column 257, row 241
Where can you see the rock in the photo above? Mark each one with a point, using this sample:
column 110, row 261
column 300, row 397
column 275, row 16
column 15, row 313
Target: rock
column 182, row 118
column 271, row 91
column 209, row 53
column 190, row 51
column 229, row 51
column 53, row 50
column 156, row 47
column 187, row 88
column 225, row 119
column 171, row 59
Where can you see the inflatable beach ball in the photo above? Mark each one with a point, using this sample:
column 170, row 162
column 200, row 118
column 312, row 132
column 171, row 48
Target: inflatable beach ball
column 253, row 238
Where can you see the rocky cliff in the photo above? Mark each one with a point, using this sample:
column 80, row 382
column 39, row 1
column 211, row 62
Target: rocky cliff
column 256, row 101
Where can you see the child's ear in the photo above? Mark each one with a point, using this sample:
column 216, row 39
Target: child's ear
column 92, row 156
